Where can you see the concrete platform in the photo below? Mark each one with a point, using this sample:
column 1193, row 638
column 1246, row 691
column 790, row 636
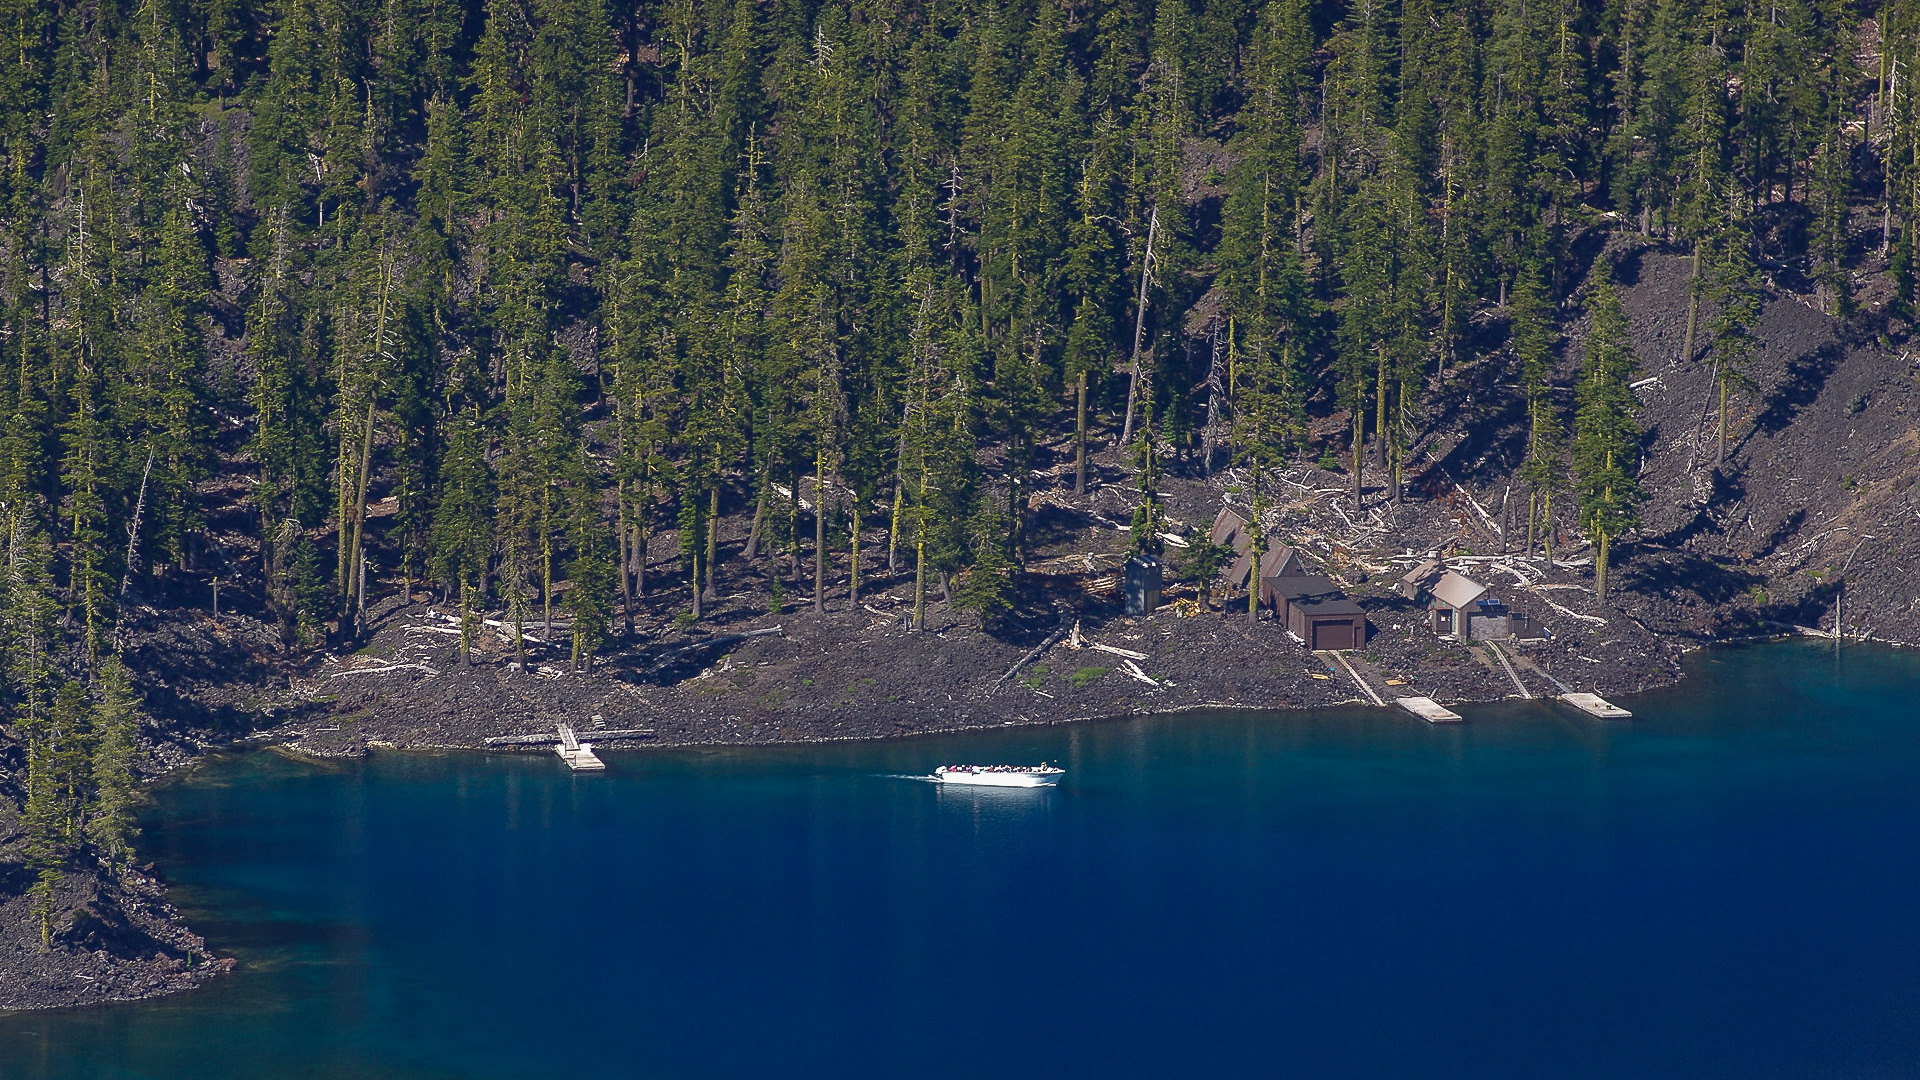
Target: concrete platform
column 1595, row 705
column 1428, row 709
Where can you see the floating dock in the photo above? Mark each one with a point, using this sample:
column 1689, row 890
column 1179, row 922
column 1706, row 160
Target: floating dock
column 1595, row 705
column 1428, row 709
column 578, row 755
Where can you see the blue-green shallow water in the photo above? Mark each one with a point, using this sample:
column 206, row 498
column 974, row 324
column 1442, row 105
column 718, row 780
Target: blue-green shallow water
column 1725, row 886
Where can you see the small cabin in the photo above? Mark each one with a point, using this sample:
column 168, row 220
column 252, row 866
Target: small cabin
column 1279, row 560
column 1461, row 609
column 1419, row 580
column 1230, row 530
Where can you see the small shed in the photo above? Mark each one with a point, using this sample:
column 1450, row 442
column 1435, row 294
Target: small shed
column 1455, row 602
column 1421, row 578
column 1142, row 585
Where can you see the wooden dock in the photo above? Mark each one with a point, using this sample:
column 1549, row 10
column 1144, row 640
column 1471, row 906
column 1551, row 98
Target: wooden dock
column 578, row 755
column 1595, row 705
column 1428, row 709
column 598, row 735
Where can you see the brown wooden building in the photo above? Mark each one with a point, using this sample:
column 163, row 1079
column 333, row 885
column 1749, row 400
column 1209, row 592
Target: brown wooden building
column 1316, row 611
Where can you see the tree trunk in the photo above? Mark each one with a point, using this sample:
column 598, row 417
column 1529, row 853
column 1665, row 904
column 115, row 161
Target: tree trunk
column 1546, row 526
column 1210, row 441
column 820, row 530
column 1600, row 567
column 519, row 628
column 1080, row 436
column 920, row 583
column 853, row 546
column 1359, row 448
column 893, row 525
column 468, row 625
column 641, row 529
column 546, row 570
column 1139, row 327
column 626, row 558
column 759, row 522
column 713, row 538
column 1693, row 305
column 1380, row 411
column 356, row 572
column 793, row 528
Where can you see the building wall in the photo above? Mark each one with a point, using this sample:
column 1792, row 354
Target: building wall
column 1485, row 627
column 1342, row 632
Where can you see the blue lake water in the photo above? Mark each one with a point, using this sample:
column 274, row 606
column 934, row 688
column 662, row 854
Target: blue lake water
column 1727, row 886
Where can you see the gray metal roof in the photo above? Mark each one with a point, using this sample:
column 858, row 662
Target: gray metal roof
column 1456, row 590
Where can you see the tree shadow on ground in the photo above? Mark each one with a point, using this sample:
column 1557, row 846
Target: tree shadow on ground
column 1806, row 376
column 1806, row 609
column 1678, row 574
column 1727, row 489
column 1788, row 527
column 1050, row 525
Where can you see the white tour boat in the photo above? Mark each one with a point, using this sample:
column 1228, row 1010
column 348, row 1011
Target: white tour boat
column 1000, row 775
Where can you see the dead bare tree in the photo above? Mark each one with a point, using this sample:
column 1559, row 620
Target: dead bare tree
column 1140, row 325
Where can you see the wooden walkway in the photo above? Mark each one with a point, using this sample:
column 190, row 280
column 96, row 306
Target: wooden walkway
column 1332, row 657
column 1500, row 654
column 596, row 735
column 578, row 755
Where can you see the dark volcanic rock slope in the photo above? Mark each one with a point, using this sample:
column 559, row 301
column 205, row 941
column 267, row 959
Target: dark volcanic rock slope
column 1818, row 485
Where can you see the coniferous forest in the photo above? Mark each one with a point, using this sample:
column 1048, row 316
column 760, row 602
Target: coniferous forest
column 553, row 283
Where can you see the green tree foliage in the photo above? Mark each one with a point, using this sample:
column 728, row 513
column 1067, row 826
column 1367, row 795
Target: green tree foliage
column 1202, row 562
column 511, row 296
column 1734, row 292
column 1606, row 437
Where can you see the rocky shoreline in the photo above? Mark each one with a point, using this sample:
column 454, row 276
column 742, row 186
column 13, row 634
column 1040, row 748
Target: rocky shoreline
column 119, row 940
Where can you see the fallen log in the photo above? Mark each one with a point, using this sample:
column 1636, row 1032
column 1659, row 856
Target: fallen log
column 1032, row 655
column 674, row 656
column 382, row 670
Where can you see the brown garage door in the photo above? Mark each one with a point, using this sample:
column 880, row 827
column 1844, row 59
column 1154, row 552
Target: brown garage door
column 1334, row 635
